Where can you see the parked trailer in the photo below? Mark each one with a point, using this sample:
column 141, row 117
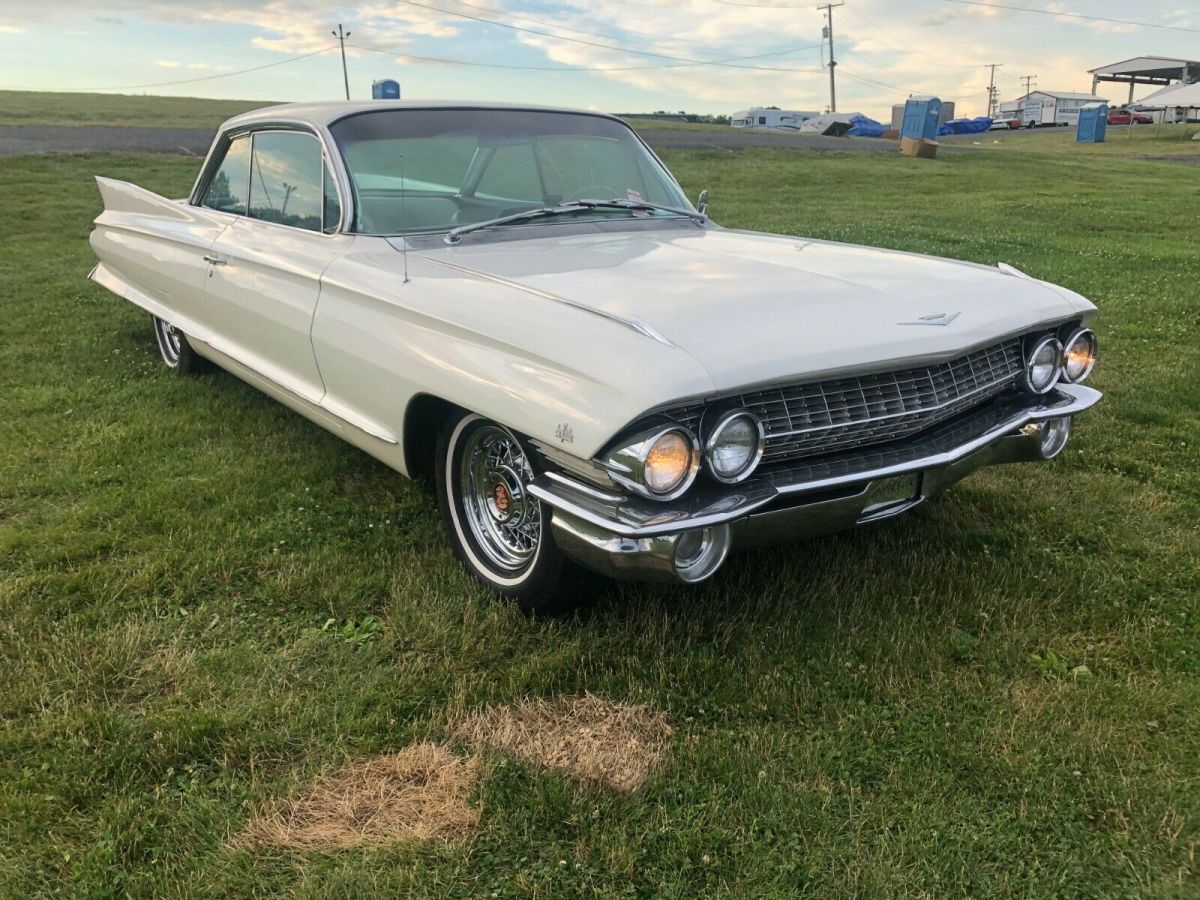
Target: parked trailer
column 1044, row 108
column 787, row 119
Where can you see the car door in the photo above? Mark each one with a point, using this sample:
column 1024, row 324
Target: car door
column 265, row 268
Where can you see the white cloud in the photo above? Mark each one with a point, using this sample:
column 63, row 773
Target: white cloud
column 885, row 48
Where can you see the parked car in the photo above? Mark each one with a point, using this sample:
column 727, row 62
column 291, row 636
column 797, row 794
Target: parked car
column 1005, row 125
column 1128, row 117
column 521, row 304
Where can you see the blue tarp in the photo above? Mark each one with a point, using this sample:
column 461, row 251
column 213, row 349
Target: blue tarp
column 978, row 125
column 861, row 126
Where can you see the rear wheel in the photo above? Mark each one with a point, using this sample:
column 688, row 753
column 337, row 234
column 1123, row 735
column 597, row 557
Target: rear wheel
column 175, row 350
column 500, row 533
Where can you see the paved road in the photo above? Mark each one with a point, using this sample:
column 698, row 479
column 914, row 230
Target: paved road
column 40, row 138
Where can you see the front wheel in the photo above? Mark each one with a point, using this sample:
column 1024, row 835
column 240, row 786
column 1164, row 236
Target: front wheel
column 500, row 533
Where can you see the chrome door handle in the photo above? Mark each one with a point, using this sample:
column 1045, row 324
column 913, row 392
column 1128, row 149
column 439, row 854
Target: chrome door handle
column 214, row 260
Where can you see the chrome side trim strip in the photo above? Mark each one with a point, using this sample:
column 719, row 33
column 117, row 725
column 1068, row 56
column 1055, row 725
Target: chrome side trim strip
column 586, row 489
column 636, row 324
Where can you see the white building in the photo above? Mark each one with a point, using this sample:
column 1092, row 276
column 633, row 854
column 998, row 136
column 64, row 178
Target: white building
column 1048, row 107
column 758, row 117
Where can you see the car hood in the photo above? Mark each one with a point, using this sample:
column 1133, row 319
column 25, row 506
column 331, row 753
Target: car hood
column 753, row 308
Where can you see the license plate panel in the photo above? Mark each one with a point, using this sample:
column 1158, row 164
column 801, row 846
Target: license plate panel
column 889, row 496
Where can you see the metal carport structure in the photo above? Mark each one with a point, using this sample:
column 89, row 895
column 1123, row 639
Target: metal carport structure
column 1155, row 71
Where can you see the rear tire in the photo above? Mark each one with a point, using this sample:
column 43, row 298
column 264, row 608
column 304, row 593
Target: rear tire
column 500, row 534
column 177, row 354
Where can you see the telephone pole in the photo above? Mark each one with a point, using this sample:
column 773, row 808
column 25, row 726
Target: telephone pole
column 828, row 7
column 1029, row 80
column 341, row 36
column 992, row 87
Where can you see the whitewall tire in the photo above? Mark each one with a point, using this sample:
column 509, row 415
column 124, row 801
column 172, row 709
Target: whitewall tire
column 500, row 533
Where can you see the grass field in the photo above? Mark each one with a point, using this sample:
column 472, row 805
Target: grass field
column 51, row 108
column 205, row 601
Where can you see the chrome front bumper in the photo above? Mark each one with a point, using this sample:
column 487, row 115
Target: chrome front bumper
column 624, row 536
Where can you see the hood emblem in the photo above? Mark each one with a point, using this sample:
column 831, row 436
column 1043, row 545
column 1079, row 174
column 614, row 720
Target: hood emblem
column 935, row 319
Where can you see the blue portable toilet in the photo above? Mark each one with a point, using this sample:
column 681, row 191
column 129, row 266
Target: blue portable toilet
column 1093, row 122
column 921, row 118
column 385, row 89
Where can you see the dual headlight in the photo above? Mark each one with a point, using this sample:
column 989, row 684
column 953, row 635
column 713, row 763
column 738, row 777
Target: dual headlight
column 1050, row 359
column 663, row 462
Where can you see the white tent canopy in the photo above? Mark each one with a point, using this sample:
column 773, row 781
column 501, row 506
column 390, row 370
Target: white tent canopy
column 1187, row 95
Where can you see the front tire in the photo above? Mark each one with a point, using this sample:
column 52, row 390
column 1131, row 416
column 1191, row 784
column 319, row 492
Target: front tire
column 500, row 533
column 177, row 354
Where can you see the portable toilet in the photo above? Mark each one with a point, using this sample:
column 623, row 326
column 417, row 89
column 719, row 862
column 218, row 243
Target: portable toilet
column 1093, row 122
column 921, row 118
column 385, row 89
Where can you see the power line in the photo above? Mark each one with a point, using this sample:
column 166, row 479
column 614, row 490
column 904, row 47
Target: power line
column 874, row 34
column 1029, row 81
column 1066, row 15
column 862, row 79
column 649, row 38
column 580, row 41
column 133, row 87
column 486, row 65
column 572, row 40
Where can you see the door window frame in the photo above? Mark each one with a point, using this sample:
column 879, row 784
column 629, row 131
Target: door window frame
column 216, row 157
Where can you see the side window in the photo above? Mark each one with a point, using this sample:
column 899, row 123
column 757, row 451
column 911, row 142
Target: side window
column 332, row 209
column 228, row 188
column 762, row 120
column 285, row 179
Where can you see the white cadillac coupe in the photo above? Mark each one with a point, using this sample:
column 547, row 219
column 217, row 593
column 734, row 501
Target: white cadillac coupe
column 522, row 304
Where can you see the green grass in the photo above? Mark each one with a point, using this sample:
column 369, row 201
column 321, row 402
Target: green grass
column 54, row 108
column 997, row 695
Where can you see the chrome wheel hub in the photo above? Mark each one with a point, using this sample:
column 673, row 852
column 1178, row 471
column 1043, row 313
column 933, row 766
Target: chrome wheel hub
column 504, row 520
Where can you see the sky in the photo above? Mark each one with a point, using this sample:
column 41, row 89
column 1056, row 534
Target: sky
column 611, row 55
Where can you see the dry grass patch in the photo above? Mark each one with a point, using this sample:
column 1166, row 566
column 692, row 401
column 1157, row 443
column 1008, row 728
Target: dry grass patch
column 613, row 743
column 417, row 794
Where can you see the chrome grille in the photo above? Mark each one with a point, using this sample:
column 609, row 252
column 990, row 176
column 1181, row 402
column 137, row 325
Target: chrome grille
column 842, row 413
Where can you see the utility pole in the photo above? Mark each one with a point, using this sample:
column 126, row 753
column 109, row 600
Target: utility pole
column 341, row 36
column 828, row 7
column 992, row 87
column 1029, row 80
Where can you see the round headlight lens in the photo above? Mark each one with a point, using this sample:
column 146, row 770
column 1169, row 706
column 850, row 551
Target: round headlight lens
column 1079, row 356
column 668, row 462
column 1043, row 366
column 735, row 446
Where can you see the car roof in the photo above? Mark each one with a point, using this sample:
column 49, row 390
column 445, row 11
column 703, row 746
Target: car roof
column 325, row 113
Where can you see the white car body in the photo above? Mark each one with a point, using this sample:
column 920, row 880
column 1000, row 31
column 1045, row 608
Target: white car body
column 565, row 335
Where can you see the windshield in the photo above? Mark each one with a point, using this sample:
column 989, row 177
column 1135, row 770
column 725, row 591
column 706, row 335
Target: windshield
column 416, row 170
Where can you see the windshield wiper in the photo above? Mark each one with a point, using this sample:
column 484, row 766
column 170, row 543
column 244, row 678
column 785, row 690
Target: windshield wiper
column 454, row 235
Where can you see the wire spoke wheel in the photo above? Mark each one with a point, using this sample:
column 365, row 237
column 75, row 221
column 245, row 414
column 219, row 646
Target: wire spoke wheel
column 504, row 520
column 169, row 341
